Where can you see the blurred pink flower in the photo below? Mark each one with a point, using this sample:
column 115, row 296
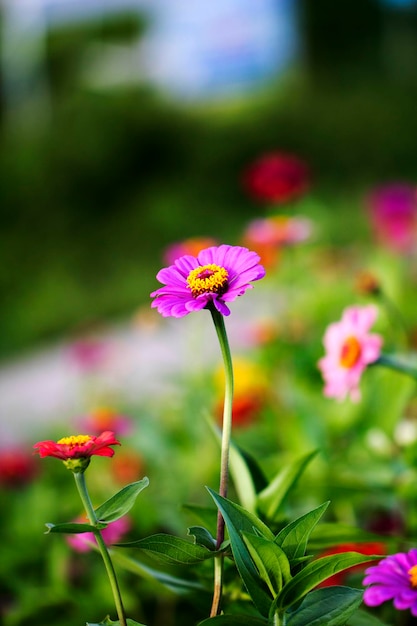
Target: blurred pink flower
column 88, row 353
column 276, row 178
column 105, row 418
column 393, row 215
column 349, row 349
column 279, row 230
column 111, row 534
column 191, row 246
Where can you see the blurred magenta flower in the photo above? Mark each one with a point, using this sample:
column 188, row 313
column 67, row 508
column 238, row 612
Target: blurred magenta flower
column 17, row 467
column 216, row 276
column 393, row 216
column 104, row 418
column 349, row 349
column 276, row 178
column 112, row 533
column 78, row 446
column 394, row 578
column 190, row 246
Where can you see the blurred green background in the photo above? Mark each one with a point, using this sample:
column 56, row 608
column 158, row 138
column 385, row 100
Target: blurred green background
column 94, row 183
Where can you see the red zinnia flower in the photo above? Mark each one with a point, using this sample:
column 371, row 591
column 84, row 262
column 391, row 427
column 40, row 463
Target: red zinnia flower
column 277, row 178
column 77, row 450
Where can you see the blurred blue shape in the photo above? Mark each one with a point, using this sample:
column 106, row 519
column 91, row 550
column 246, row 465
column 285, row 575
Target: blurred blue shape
column 190, row 50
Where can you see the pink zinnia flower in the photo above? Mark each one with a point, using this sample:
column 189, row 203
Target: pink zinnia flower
column 78, row 446
column 279, row 230
column 277, row 177
column 215, row 276
column 349, row 349
column 112, row 533
column 394, row 578
column 393, row 214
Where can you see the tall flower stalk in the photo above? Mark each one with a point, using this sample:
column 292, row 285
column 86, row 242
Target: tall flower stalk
column 210, row 280
column 220, row 327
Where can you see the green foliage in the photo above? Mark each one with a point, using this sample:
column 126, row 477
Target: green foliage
column 335, row 605
column 121, row 502
column 170, row 549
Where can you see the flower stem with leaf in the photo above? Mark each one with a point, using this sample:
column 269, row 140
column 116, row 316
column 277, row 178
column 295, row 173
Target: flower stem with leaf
column 219, row 325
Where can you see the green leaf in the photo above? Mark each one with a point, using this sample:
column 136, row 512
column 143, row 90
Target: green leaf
column 363, row 618
column 178, row 585
column 294, row 537
column 72, row 528
column 170, row 549
column 202, row 537
column 118, row 505
column 108, row 622
column 316, row 572
column 272, row 497
column 235, row 620
column 239, row 520
column 332, row 606
column 271, row 562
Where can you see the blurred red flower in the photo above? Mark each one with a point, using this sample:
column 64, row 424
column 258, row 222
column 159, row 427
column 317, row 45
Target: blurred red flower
column 127, row 467
column 277, row 177
column 17, row 467
column 367, row 548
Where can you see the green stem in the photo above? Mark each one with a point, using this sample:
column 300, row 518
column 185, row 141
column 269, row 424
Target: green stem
column 395, row 364
column 89, row 509
column 219, row 325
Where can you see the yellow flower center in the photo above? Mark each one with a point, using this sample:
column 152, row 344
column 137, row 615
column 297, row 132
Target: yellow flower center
column 413, row 576
column 75, row 440
column 350, row 352
column 207, row 279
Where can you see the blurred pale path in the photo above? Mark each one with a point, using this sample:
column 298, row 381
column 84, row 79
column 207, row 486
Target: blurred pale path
column 144, row 359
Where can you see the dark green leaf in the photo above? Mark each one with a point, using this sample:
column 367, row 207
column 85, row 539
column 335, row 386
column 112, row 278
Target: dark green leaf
column 175, row 584
column 170, row 549
column 316, row 572
column 332, row 606
column 273, row 496
column 72, row 528
column 234, row 620
column 202, row 537
column 271, row 562
column 239, row 520
column 294, row 537
column 118, row 505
